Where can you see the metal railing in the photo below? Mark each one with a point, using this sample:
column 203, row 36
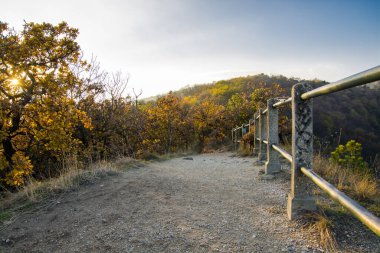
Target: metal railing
column 238, row 132
column 266, row 146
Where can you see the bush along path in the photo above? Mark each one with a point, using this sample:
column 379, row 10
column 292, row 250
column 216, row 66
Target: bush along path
column 206, row 203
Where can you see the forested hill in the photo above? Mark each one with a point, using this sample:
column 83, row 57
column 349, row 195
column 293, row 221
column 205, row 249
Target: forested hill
column 339, row 117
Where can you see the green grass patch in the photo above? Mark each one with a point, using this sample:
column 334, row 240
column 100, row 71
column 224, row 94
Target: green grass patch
column 5, row 215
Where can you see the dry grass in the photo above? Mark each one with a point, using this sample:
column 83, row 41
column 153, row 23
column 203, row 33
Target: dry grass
column 321, row 223
column 70, row 179
column 360, row 185
column 244, row 150
column 366, row 188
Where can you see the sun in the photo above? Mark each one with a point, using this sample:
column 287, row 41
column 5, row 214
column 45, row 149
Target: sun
column 14, row 81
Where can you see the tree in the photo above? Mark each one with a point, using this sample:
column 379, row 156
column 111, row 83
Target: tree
column 239, row 109
column 38, row 115
column 209, row 123
column 261, row 94
column 168, row 125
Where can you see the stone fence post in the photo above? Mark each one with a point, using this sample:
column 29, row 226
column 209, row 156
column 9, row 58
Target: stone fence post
column 234, row 138
column 256, row 135
column 302, row 151
column 272, row 164
column 263, row 135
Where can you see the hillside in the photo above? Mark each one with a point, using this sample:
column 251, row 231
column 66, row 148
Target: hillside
column 349, row 114
column 69, row 133
column 58, row 118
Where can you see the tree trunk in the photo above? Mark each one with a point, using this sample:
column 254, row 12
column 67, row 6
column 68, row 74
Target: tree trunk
column 9, row 151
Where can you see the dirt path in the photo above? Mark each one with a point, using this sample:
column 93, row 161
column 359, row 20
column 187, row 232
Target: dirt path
column 213, row 203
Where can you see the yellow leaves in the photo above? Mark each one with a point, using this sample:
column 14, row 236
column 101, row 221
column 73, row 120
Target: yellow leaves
column 207, row 114
column 219, row 89
column 21, row 140
column 15, row 178
column 82, row 117
column 22, row 168
column 39, row 95
column 190, row 100
column 22, row 162
column 52, row 123
column 168, row 125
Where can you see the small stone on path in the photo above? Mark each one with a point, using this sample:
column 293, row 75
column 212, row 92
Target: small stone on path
column 267, row 177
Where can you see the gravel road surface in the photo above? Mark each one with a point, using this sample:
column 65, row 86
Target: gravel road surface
column 203, row 203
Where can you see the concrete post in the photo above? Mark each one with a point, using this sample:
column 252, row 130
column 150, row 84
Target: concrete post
column 235, row 138
column 272, row 164
column 232, row 136
column 242, row 144
column 256, row 135
column 263, row 135
column 302, row 151
column 250, row 122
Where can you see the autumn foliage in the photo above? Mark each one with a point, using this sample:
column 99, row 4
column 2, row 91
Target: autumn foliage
column 58, row 110
column 37, row 96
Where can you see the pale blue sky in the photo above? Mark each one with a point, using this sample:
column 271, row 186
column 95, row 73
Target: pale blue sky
column 166, row 44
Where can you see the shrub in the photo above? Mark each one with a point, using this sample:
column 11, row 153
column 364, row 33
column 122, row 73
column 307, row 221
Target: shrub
column 349, row 156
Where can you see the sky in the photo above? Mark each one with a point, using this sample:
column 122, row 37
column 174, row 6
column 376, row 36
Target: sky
column 163, row 45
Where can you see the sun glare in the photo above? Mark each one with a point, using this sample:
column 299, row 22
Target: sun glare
column 14, row 81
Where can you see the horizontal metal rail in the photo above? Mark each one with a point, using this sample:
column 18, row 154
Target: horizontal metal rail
column 283, row 153
column 368, row 76
column 370, row 220
column 288, row 100
column 361, row 78
column 265, row 141
column 262, row 113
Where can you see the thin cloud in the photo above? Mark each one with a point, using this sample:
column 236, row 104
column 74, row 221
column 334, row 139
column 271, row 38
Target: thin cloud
column 167, row 44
